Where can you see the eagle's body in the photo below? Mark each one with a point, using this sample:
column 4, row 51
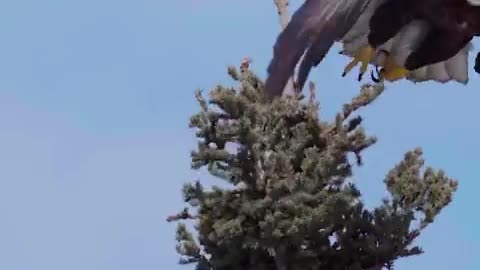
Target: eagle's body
column 429, row 38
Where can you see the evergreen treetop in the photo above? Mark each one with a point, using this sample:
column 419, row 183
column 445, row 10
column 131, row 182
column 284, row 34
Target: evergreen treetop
column 292, row 203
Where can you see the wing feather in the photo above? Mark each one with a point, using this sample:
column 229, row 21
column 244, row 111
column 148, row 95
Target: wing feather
column 438, row 72
column 315, row 26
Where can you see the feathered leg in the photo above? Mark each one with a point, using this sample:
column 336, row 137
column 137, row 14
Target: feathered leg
column 388, row 20
column 437, row 47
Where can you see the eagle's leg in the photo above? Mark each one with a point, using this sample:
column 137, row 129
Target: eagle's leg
column 391, row 74
column 437, row 47
column 390, row 71
column 363, row 56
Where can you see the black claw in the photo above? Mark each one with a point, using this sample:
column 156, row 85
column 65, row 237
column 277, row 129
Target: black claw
column 374, row 79
column 477, row 63
column 344, row 74
column 379, row 73
column 477, row 69
column 360, row 76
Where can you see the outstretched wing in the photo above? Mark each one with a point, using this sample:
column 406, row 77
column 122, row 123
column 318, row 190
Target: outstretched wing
column 317, row 24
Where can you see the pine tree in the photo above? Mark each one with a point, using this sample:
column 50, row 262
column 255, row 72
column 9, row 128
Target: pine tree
column 291, row 202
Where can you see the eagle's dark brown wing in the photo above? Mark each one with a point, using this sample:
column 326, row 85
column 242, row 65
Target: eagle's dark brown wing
column 317, row 24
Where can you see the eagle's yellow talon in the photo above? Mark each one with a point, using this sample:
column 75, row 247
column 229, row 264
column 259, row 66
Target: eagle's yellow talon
column 390, row 71
column 393, row 72
column 363, row 56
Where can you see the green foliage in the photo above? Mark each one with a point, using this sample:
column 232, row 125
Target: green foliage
column 291, row 204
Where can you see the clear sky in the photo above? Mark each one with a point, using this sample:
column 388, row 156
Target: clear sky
column 95, row 97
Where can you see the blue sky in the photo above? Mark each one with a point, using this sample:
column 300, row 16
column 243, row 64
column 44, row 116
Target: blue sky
column 95, row 98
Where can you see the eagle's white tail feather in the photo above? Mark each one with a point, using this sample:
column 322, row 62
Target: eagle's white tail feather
column 456, row 67
column 420, row 75
column 438, row 73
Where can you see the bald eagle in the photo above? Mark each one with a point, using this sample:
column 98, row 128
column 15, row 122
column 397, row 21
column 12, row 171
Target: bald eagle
column 414, row 39
column 392, row 53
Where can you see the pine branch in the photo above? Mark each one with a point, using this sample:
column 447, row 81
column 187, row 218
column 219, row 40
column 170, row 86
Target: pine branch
column 184, row 214
column 282, row 10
